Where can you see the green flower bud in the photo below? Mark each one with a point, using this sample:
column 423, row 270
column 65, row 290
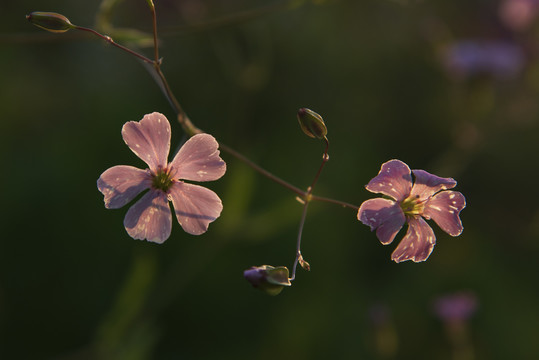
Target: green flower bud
column 312, row 123
column 50, row 21
column 267, row 278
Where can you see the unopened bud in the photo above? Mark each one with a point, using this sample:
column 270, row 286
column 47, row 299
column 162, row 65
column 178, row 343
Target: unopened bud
column 312, row 123
column 50, row 21
column 267, row 278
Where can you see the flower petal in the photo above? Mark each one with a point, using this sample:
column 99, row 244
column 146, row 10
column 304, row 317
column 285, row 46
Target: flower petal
column 150, row 218
column 120, row 184
column 383, row 215
column 417, row 244
column 426, row 184
column 444, row 208
column 394, row 180
column 149, row 139
column 198, row 159
column 195, row 206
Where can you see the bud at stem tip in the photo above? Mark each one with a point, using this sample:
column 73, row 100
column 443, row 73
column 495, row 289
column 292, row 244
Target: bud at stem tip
column 312, row 123
column 50, row 21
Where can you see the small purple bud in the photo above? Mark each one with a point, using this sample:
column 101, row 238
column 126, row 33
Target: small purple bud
column 267, row 278
column 312, row 123
column 50, row 21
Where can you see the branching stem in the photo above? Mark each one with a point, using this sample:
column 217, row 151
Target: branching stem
column 191, row 129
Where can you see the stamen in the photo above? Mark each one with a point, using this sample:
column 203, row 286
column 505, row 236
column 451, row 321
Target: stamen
column 413, row 206
column 162, row 180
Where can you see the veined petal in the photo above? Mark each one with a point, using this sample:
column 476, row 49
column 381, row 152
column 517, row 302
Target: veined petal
column 120, row 184
column 444, row 208
column 195, row 206
column 426, row 184
column 384, row 215
column 199, row 160
column 394, row 180
column 417, row 244
column 149, row 139
column 149, row 218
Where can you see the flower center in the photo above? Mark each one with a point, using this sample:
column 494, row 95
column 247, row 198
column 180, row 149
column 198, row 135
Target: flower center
column 162, row 180
column 412, row 206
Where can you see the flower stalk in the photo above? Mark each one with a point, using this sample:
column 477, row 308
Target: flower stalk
column 299, row 257
column 307, row 197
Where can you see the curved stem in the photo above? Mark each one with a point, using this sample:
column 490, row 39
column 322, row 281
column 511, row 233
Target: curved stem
column 325, row 159
column 298, row 243
column 307, row 198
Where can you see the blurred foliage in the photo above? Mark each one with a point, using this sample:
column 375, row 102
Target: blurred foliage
column 75, row 286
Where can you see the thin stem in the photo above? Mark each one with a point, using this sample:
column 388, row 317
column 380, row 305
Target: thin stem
column 110, row 41
column 154, row 22
column 182, row 117
column 333, row 201
column 262, row 171
column 325, row 159
column 307, row 198
column 298, row 243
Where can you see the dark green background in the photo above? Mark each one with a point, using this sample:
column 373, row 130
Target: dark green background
column 74, row 285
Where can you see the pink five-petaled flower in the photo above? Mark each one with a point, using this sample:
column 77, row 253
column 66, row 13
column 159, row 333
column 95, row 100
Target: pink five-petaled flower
column 411, row 203
column 150, row 217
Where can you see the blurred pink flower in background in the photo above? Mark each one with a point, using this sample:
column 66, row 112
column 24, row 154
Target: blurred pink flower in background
column 455, row 311
column 518, row 15
column 457, row 307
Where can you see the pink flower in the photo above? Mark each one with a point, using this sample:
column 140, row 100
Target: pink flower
column 411, row 203
column 150, row 217
column 518, row 14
